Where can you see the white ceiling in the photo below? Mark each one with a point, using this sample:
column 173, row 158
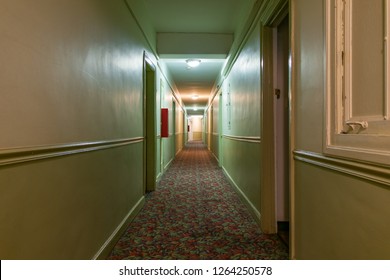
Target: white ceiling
column 207, row 18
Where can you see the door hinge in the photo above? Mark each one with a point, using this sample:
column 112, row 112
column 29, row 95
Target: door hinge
column 277, row 93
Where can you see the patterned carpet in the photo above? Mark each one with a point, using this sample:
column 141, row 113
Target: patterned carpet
column 196, row 215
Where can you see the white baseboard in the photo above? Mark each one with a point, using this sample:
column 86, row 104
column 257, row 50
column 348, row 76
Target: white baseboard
column 255, row 213
column 113, row 239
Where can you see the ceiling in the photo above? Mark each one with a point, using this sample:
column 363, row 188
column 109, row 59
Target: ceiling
column 201, row 29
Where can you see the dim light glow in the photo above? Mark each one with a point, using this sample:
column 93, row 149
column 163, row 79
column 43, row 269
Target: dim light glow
column 193, row 62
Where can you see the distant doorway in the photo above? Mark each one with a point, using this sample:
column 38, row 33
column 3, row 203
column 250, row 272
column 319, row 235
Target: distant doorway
column 195, row 126
column 275, row 191
column 281, row 126
column 190, row 134
column 174, row 127
column 149, row 117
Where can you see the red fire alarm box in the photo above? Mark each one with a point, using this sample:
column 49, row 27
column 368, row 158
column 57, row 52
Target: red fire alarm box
column 164, row 122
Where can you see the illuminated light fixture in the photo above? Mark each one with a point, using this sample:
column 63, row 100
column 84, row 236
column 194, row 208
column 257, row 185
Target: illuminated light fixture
column 195, row 96
column 193, row 62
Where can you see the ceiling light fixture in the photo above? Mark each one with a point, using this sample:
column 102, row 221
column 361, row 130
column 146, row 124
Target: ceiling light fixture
column 193, row 62
column 195, row 96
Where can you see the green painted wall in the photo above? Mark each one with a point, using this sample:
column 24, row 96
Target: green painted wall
column 242, row 166
column 215, row 133
column 74, row 78
column 240, row 119
column 339, row 207
column 338, row 215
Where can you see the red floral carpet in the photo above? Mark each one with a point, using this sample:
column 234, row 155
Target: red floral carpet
column 196, row 214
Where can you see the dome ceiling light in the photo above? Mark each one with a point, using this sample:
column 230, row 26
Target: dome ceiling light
column 193, row 62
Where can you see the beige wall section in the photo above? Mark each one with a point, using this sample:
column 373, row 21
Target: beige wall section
column 215, row 127
column 337, row 214
column 179, row 129
column 198, row 136
column 196, row 128
column 209, row 125
column 71, row 75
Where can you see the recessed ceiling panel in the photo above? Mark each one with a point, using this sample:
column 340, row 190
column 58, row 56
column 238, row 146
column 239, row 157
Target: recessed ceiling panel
column 213, row 16
column 194, row 81
column 194, row 43
column 210, row 27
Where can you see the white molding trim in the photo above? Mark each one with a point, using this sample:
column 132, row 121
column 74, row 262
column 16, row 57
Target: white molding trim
column 255, row 213
column 18, row 155
column 372, row 172
column 250, row 139
column 215, row 157
column 105, row 250
column 168, row 164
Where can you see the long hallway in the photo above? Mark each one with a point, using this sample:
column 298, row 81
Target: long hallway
column 292, row 97
column 196, row 214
